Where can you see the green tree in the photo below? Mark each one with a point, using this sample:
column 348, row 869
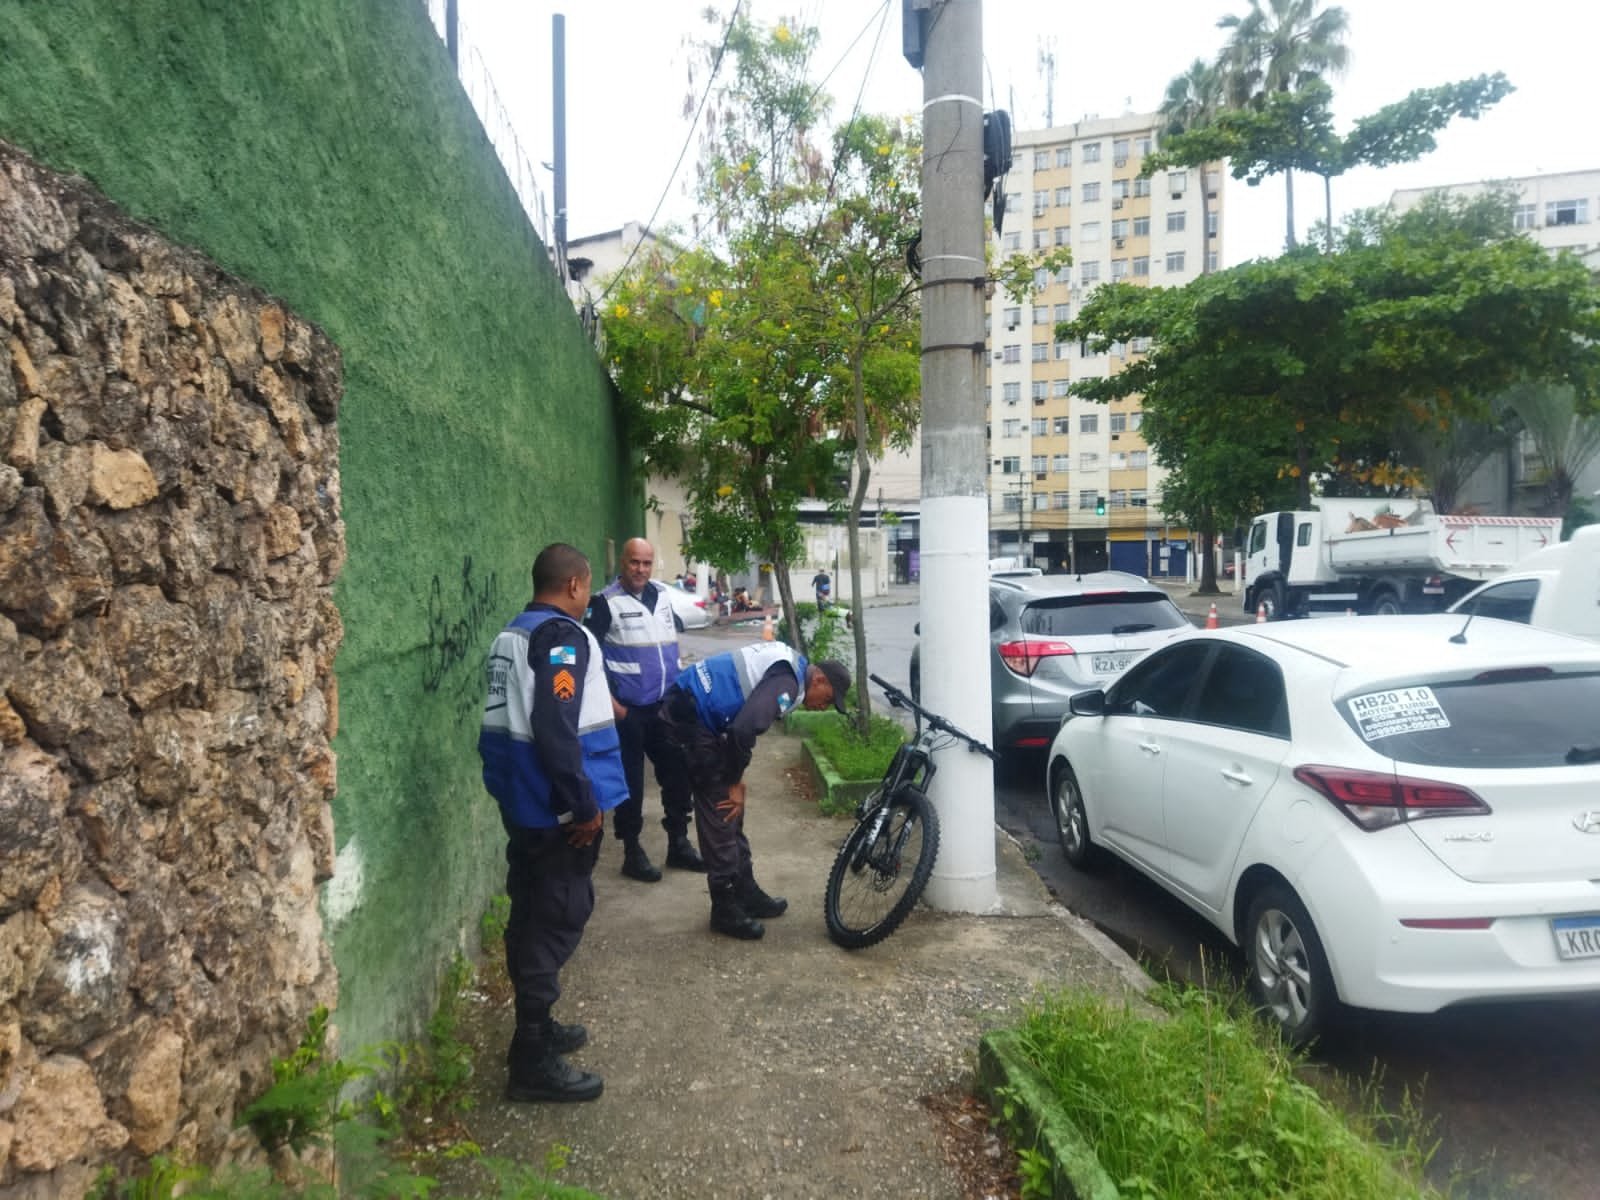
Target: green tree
column 1565, row 435
column 1277, row 49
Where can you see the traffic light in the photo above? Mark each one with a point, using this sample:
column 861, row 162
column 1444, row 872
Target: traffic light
column 1099, row 506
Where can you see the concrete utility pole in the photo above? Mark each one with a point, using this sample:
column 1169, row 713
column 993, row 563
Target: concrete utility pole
column 955, row 505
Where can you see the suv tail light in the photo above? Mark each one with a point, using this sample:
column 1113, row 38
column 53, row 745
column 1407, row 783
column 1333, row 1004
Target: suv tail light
column 1375, row 800
column 1023, row 657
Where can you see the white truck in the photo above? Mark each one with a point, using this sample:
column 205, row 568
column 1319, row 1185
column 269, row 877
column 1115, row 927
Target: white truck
column 1380, row 556
column 1555, row 588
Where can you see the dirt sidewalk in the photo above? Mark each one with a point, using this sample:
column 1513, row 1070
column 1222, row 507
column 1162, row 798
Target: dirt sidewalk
column 785, row 1067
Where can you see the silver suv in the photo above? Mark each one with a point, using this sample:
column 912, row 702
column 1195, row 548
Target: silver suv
column 1051, row 636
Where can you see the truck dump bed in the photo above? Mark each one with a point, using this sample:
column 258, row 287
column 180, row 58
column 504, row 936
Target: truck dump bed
column 1469, row 547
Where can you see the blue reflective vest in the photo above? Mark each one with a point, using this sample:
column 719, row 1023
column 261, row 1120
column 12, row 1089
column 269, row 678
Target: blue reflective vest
column 511, row 768
column 722, row 683
column 641, row 645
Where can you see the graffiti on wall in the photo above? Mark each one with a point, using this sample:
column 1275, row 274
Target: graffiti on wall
column 460, row 617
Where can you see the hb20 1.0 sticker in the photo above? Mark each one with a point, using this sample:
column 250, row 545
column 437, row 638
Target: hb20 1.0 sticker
column 1403, row 710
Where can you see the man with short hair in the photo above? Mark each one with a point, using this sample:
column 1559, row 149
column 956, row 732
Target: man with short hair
column 551, row 760
column 632, row 619
column 715, row 710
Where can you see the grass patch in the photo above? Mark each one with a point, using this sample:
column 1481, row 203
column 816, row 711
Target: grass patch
column 853, row 756
column 1208, row 1103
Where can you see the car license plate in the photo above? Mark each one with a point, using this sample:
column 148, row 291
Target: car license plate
column 1110, row 664
column 1577, row 937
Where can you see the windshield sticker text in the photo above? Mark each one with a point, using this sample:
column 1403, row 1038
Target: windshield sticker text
column 1404, row 710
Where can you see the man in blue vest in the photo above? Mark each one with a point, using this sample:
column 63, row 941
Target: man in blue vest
column 551, row 761
column 715, row 710
column 633, row 622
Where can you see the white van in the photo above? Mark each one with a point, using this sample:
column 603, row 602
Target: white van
column 1555, row 588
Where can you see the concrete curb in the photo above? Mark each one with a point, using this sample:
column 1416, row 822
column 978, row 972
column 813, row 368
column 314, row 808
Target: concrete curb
column 1012, row 1087
column 839, row 795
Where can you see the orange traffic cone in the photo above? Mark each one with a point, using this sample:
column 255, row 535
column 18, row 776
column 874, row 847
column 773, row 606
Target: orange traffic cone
column 1211, row 617
column 766, row 628
column 1261, row 613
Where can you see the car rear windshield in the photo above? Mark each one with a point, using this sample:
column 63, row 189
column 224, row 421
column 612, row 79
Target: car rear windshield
column 1101, row 613
column 1513, row 718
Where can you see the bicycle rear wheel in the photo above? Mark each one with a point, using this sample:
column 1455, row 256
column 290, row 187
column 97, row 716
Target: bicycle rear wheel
column 877, row 878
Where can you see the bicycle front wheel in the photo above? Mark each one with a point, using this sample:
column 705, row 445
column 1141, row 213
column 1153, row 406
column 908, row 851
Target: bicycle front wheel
column 881, row 869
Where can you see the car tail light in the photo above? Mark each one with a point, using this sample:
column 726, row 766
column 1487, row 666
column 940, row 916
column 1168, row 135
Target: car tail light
column 699, row 603
column 1023, row 657
column 1375, row 800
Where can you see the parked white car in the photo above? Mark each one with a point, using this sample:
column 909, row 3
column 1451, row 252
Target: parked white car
column 1555, row 588
column 1380, row 811
column 688, row 610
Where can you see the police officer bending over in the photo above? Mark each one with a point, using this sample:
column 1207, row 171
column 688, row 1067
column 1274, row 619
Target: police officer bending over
column 551, row 760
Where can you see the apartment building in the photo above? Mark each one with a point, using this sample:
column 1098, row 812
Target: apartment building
column 1562, row 213
column 1072, row 484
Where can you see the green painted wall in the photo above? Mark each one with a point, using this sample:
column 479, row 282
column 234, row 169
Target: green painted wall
column 323, row 150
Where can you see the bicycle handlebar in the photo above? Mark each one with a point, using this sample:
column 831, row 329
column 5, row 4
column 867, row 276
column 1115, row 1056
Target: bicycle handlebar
column 898, row 699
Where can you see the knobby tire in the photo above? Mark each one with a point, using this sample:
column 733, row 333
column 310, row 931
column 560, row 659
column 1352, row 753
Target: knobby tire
column 865, row 878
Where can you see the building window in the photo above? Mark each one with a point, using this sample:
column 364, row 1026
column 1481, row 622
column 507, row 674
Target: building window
column 1091, row 192
column 1063, row 197
column 1177, row 221
column 1138, row 498
column 1117, row 498
column 1135, row 419
column 1012, row 353
column 1145, row 146
column 1211, row 223
column 1175, row 260
column 1011, row 464
column 1566, row 212
column 1041, row 499
column 1139, row 345
column 1119, row 268
column 1037, row 389
column 1011, row 242
column 1089, row 423
column 1091, row 152
column 1141, row 266
column 1119, row 460
column 1013, row 201
column 1119, row 151
column 1011, row 427
column 1061, row 353
column 1041, row 201
column 1088, row 498
column 1041, row 352
column 1040, row 426
column 1177, row 182
column 1525, row 216
column 1061, row 425
column 1060, row 388
column 988, row 396
column 1063, row 156
column 1119, row 422
column 1041, row 279
column 1060, row 499
column 1119, row 189
column 1060, row 462
column 1062, row 313
column 1063, row 235
column 1211, row 260
column 1141, row 227
column 1063, row 274
column 1011, row 503
column 1011, row 391
column 1089, row 272
column 1141, row 187
column 1041, row 463
column 1041, row 314
column 1041, row 160
column 1119, row 228
column 1139, row 460
column 1013, row 317
column 1089, row 231
column 1041, row 239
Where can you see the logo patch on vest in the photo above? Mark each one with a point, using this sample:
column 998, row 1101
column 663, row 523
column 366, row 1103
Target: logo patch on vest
column 564, row 656
column 784, row 701
column 564, row 686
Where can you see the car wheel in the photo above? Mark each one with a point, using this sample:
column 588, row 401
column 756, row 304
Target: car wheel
column 1385, row 603
column 677, row 622
column 1288, row 972
column 1072, row 823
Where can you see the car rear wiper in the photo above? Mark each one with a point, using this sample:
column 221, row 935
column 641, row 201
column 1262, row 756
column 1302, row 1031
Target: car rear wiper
column 1135, row 628
column 1583, row 754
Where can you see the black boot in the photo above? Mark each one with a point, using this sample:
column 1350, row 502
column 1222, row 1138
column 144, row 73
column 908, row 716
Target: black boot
column 636, row 863
column 567, row 1038
column 756, row 902
column 728, row 915
column 682, row 854
column 539, row 1073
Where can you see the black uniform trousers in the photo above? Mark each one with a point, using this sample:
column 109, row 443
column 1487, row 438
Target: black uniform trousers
column 551, row 886
column 723, row 844
column 643, row 733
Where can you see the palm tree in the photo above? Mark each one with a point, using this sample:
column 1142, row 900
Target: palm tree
column 1279, row 47
column 1192, row 101
column 1566, row 441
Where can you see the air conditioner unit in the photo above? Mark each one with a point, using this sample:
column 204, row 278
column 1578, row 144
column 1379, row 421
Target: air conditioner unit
column 1119, row 242
column 1117, row 203
column 1177, row 195
column 1119, row 162
column 1039, row 475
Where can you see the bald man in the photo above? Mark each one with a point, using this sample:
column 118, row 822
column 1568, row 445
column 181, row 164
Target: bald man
column 632, row 620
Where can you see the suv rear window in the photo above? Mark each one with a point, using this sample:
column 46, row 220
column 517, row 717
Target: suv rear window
column 1101, row 613
column 1500, row 719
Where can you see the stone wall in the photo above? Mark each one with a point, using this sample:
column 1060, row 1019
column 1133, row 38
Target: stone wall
column 169, row 536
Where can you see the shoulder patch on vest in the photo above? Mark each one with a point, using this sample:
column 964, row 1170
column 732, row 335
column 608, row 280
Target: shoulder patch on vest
column 564, row 686
column 564, row 656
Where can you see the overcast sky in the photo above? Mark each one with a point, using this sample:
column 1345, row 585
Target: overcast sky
column 627, row 82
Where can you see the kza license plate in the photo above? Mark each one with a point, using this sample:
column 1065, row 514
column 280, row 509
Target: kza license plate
column 1110, row 664
column 1577, row 937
